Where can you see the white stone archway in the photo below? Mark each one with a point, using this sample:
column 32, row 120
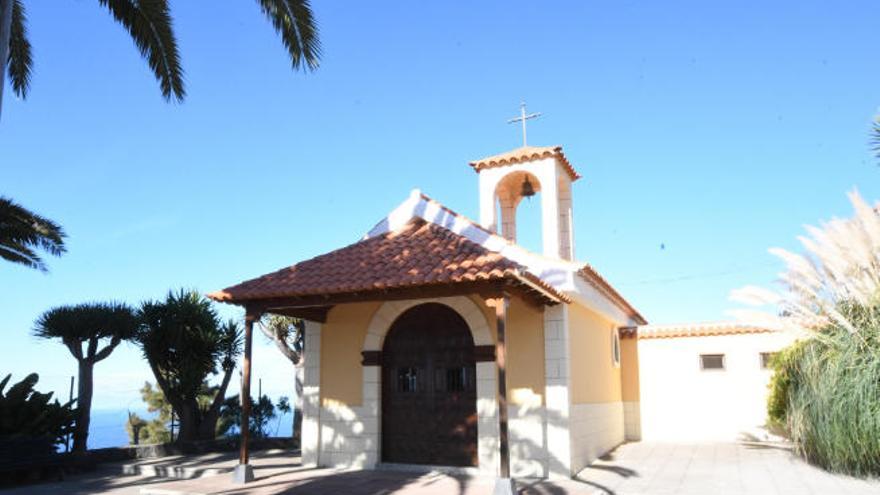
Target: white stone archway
column 487, row 407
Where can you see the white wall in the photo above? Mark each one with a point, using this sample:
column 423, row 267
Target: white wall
column 595, row 429
column 679, row 401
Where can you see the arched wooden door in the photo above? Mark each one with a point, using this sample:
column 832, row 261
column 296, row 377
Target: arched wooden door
column 429, row 398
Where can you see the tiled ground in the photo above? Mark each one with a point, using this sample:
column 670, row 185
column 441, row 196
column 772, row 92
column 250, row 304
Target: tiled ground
column 715, row 469
column 636, row 468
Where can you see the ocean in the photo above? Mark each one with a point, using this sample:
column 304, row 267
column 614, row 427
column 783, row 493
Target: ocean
column 107, row 428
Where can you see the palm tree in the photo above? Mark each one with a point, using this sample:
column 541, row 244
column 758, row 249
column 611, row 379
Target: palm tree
column 185, row 342
column 23, row 232
column 150, row 25
column 91, row 324
column 288, row 333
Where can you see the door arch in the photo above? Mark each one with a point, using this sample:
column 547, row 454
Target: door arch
column 429, row 393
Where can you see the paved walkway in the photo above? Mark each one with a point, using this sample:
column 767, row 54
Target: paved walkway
column 635, row 468
column 714, row 469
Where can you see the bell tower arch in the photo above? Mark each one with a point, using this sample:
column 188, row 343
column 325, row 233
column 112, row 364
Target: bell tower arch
column 507, row 178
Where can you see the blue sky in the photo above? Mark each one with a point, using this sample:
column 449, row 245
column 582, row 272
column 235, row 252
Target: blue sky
column 715, row 129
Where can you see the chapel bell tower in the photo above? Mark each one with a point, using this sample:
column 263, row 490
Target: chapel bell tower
column 507, row 178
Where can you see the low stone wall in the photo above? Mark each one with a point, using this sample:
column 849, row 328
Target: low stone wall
column 57, row 466
column 192, row 448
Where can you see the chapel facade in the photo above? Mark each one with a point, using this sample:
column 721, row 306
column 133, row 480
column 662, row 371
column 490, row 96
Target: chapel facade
column 436, row 340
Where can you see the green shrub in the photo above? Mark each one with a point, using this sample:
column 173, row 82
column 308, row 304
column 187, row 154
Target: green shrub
column 26, row 414
column 780, row 383
column 262, row 412
column 827, row 393
column 151, row 431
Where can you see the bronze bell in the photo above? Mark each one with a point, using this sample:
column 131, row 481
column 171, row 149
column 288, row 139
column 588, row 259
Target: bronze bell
column 527, row 190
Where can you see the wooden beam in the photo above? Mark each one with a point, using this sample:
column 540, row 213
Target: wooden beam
column 501, row 305
column 485, row 289
column 311, row 313
column 251, row 316
column 484, row 353
column 628, row 332
column 371, row 358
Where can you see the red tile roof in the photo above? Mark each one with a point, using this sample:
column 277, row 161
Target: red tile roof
column 699, row 330
column 419, row 254
column 523, row 154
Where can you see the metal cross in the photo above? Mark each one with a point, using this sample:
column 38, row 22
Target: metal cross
column 523, row 118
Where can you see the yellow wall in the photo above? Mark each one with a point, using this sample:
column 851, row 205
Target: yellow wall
column 342, row 340
column 594, row 378
column 525, row 350
column 629, row 369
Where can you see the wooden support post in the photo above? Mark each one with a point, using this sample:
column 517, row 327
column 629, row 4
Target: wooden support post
column 501, row 305
column 244, row 472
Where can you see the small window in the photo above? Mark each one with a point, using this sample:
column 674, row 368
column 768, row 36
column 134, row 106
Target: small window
column 710, row 362
column 407, row 380
column 456, row 379
column 615, row 347
column 767, row 360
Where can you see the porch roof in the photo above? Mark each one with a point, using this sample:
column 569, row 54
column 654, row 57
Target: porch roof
column 420, row 259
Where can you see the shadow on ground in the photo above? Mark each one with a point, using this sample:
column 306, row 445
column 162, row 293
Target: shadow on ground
column 351, row 482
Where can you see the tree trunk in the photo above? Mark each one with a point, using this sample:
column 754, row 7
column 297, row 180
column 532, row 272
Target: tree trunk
column 189, row 422
column 208, row 425
column 298, row 404
column 83, row 405
column 5, row 33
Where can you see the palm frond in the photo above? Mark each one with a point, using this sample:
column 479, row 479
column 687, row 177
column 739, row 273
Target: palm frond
column 20, row 63
column 150, row 25
column 22, row 231
column 184, row 341
column 83, row 322
column 17, row 253
column 294, row 22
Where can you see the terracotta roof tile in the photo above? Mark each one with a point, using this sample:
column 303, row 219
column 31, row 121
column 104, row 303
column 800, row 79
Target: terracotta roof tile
column 698, row 330
column 419, row 254
column 526, row 153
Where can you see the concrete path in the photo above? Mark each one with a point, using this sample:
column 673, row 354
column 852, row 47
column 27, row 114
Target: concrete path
column 635, row 468
column 715, row 469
